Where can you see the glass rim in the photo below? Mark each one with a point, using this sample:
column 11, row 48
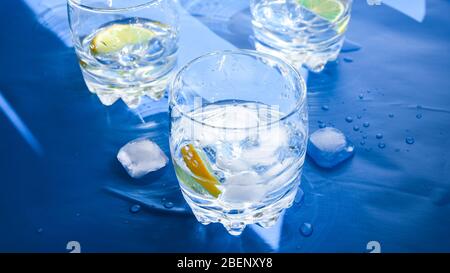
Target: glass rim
column 245, row 52
column 145, row 4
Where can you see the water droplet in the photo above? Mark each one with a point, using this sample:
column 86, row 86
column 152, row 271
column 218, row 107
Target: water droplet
column 381, row 145
column 306, row 229
column 391, row 115
column 299, row 197
column 409, row 140
column 419, row 116
column 366, row 124
column 349, row 119
column 362, row 142
column 322, row 125
column 361, row 96
column 358, row 116
column 325, row 107
column 379, row 136
column 348, row 60
column 356, row 128
column 365, row 136
column 40, row 230
column 168, row 205
column 135, row 208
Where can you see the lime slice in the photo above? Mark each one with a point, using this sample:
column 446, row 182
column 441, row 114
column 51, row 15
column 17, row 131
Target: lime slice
column 187, row 179
column 330, row 10
column 201, row 170
column 117, row 36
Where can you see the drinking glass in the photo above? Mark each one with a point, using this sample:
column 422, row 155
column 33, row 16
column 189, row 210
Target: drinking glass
column 126, row 48
column 305, row 32
column 238, row 135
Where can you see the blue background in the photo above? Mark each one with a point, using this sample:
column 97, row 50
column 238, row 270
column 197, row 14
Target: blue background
column 60, row 180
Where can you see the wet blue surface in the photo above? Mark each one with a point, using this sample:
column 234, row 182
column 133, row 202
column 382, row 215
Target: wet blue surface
column 60, row 180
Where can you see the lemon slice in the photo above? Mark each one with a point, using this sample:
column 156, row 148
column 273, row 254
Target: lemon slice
column 201, row 170
column 330, row 10
column 117, row 36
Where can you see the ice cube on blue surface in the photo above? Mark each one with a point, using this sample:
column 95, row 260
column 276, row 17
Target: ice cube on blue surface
column 141, row 156
column 328, row 147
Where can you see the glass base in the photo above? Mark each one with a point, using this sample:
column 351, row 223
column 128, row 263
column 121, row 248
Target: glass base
column 130, row 95
column 313, row 56
column 235, row 220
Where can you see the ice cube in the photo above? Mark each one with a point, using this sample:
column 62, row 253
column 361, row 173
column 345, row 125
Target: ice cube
column 244, row 187
column 270, row 141
column 141, row 156
column 328, row 147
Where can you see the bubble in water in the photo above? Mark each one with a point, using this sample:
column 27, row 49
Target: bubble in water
column 168, row 205
column 356, row 128
column 391, row 115
column 322, row 125
column 325, row 107
column 381, row 145
column 361, row 96
column 379, row 136
column 419, row 116
column 358, row 116
column 210, row 153
column 220, row 175
column 306, row 229
column 349, row 119
column 135, row 208
column 365, row 136
column 362, row 142
column 409, row 140
column 366, row 124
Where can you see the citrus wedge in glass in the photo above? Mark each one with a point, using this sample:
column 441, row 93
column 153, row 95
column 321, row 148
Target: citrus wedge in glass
column 330, row 10
column 202, row 179
column 117, row 36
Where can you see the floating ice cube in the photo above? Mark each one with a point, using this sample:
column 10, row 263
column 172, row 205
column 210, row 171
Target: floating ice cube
column 242, row 188
column 141, row 156
column 269, row 142
column 328, row 147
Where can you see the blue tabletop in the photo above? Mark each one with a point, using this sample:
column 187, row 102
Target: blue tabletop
column 60, row 180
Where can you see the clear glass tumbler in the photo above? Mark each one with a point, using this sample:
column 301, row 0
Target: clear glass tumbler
column 126, row 48
column 238, row 135
column 305, row 32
